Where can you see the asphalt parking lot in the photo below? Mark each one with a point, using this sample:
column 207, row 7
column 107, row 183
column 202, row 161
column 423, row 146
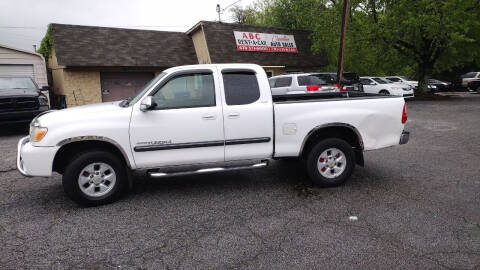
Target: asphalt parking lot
column 417, row 207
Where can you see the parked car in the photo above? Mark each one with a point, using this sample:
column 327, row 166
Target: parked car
column 20, row 100
column 350, row 80
column 467, row 77
column 377, row 85
column 441, row 86
column 404, row 80
column 401, row 84
column 474, row 85
column 207, row 118
column 413, row 84
column 299, row 83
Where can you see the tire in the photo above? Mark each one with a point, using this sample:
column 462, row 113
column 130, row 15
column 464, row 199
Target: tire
column 315, row 165
column 106, row 175
column 384, row 92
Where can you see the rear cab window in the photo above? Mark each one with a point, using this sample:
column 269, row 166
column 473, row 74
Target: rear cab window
column 240, row 86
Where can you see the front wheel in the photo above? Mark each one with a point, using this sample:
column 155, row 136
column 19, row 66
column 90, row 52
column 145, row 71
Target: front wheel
column 330, row 162
column 94, row 178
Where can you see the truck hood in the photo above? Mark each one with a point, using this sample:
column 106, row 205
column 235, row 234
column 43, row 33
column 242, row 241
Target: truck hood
column 18, row 92
column 93, row 112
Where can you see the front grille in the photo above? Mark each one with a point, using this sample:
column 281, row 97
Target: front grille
column 18, row 104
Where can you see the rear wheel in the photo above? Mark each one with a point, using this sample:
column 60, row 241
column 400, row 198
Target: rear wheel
column 330, row 162
column 384, row 92
column 95, row 178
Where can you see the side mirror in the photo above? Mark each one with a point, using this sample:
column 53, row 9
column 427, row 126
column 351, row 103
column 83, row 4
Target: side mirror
column 45, row 88
column 147, row 104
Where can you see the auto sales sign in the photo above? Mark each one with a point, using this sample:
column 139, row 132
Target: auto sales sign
column 262, row 42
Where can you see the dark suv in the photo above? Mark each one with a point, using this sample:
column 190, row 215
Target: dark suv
column 350, row 80
column 20, row 100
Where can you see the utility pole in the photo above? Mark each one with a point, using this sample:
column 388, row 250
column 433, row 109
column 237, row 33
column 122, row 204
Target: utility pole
column 346, row 7
column 218, row 11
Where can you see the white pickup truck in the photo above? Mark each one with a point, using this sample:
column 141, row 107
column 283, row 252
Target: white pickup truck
column 207, row 118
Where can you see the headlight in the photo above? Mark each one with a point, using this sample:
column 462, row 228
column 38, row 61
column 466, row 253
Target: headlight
column 37, row 132
column 42, row 100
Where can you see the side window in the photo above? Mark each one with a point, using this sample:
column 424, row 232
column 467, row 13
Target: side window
column 272, row 82
column 186, row 91
column 366, row 81
column 283, row 82
column 303, row 80
column 241, row 87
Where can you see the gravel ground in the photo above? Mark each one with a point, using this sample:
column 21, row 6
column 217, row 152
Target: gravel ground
column 417, row 207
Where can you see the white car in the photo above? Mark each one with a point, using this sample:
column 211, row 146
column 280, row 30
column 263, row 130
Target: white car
column 206, row 118
column 466, row 78
column 403, row 80
column 300, row 83
column 378, row 85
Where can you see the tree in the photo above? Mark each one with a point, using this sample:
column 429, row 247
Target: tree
column 409, row 37
column 434, row 35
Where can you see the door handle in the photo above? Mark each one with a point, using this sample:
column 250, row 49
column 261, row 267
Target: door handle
column 208, row 117
column 234, row 115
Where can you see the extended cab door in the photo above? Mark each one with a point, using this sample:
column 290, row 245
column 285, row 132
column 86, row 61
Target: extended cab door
column 248, row 114
column 185, row 127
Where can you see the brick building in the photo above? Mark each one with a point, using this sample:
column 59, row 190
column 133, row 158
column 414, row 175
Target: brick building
column 97, row 64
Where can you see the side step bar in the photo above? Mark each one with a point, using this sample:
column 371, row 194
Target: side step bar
column 159, row 174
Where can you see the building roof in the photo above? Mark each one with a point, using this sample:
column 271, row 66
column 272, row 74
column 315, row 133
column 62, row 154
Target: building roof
column 92, row 46
column 223, row 49
column 22, row 50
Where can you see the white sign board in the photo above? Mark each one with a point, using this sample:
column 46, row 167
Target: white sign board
column 262, row 42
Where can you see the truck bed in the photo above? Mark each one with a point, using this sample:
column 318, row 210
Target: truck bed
column 326, row 96
column 376, row 118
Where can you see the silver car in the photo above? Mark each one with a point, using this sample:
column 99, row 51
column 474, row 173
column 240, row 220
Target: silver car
column 300, row 83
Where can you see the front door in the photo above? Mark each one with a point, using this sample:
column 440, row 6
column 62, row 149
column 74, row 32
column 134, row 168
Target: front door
column 248, row 115
column 185, row 127
column 369, row 86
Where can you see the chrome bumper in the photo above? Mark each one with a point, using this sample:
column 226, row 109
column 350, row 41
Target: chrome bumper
column 21, row 143
column 404, row 137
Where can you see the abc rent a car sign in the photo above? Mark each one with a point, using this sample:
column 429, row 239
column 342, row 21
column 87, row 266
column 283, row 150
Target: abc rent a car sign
column 262, row 42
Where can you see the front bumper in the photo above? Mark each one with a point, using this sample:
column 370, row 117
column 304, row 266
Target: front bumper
column 34, row 160
column 404, row 137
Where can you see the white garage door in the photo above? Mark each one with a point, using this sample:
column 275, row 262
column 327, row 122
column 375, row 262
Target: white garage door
column 17, row 70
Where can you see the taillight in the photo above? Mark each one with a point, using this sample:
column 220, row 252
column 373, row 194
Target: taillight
column 336, row 85
column 404, row 114
column 343, row 89
column 313, row 87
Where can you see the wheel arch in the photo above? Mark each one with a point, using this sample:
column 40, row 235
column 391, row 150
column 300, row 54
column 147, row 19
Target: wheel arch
column 77, row 144
column 343, row 131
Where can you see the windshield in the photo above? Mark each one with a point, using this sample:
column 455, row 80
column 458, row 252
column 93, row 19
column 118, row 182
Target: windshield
column 17, row 83
column 133, row 99
column 380, row 80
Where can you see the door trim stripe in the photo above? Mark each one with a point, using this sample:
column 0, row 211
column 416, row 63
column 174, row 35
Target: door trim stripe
column 177, row 146
column 247, row 141
column 200, row 144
